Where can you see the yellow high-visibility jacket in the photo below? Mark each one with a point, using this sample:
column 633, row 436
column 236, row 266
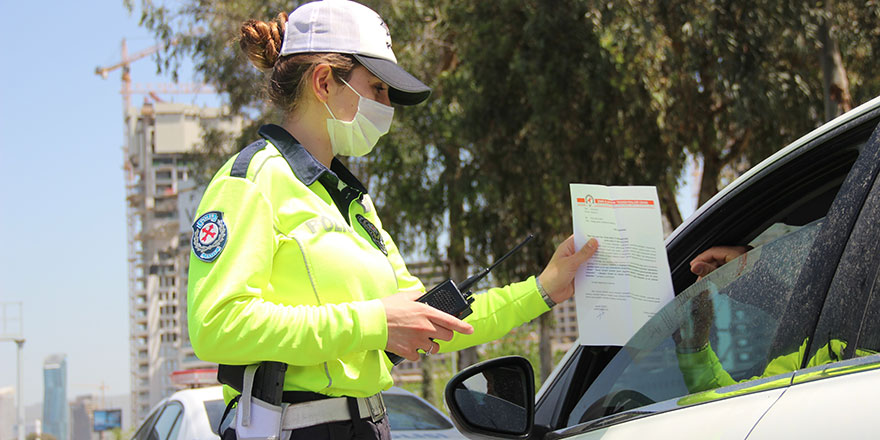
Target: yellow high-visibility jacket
column 279, row 273
column 702, row 370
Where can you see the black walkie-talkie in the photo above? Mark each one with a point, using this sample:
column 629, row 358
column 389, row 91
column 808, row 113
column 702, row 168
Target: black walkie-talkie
column 455, row 299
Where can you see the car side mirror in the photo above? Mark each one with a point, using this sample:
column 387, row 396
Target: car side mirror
column 494, row 398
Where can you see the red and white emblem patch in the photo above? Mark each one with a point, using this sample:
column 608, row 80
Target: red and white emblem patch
column 209, row 236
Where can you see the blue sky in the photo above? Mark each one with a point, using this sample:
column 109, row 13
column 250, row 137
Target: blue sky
column 62, row 209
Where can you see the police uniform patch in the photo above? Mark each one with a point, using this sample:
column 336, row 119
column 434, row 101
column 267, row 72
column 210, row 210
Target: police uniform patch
column 374, row 233
column 209, row 236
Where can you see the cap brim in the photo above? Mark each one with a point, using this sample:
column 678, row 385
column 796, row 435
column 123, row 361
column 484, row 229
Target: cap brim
column 404, row 89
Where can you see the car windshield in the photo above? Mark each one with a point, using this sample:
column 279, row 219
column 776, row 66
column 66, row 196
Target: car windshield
column 214, row 409
column 407, row 413
column 720, row 331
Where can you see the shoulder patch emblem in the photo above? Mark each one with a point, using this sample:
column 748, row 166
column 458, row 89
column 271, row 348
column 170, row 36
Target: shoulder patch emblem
column 209, row 236
column 374, row 233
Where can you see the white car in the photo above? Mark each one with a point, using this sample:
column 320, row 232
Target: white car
column 412, row 417
column 782, row 342
column 194, row 414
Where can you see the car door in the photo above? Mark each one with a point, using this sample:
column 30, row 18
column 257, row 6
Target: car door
column 657, row 383
column 843, row 390
column 823, row 179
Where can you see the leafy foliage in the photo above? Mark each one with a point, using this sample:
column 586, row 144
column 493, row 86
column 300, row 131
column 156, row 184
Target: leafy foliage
column 531, row 95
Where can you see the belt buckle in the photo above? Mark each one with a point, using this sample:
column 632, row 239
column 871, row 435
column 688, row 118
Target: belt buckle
column 376, row 406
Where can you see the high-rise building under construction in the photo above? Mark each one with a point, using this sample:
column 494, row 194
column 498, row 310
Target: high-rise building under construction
column 161, row 198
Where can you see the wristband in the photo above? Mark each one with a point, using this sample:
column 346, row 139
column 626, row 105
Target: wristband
column 544, row 295
column 686, row 350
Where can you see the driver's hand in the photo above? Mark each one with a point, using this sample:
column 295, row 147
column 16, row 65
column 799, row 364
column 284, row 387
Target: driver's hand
column 715, row 257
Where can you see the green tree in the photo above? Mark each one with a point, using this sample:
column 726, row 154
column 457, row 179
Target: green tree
column 731, row 81
column 540, row 104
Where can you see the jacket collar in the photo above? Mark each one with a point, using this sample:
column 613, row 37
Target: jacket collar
column 304, row 166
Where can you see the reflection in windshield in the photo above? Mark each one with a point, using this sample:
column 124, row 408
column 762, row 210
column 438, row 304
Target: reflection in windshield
column 733, row 312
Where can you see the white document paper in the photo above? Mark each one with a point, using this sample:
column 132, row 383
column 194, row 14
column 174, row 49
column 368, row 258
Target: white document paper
column 627, row 281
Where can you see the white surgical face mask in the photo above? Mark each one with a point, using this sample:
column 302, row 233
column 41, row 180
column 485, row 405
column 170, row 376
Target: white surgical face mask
column 358, row 136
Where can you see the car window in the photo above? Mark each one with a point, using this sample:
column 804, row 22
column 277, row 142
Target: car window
column 407, row 413
column 143, row 433
column 720, row 331
column 165, row 424
column 215, row 409
column 175, row 429
column 869, row 338
column 849, row 325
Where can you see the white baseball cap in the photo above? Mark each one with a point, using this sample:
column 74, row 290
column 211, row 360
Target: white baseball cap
column 342, row 26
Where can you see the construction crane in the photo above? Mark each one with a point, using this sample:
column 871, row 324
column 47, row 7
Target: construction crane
column 152, row 90
column 128, row 88
column 100, row 386
column 125, row 64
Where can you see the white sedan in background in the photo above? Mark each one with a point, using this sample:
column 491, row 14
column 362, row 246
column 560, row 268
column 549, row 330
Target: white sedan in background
column 192, row 414
column 195, row 414
column 412, row 417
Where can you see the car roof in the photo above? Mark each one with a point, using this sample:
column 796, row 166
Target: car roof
column 195, row 396
column 198, row 423
column 398, row 391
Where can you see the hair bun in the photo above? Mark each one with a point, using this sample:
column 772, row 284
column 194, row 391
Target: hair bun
column 261, row 41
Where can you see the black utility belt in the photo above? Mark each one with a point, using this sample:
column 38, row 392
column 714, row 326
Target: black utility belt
column 268, row 380
column 294, row 397
column 287, row 410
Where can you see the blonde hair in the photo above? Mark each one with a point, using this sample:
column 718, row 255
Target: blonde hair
column 261, row 42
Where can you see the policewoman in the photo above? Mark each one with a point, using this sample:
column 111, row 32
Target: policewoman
column 290, row 262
